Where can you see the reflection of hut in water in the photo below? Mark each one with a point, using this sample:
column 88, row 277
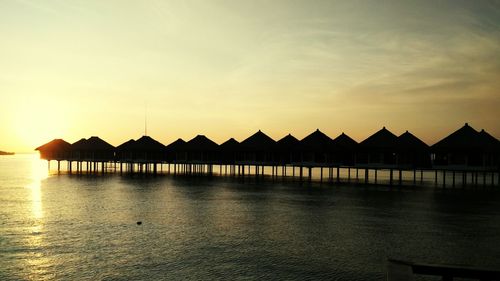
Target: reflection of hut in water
column 344, row 150
column 92, row 149
column 176, row 152
column 316, row 148
column 258, row 148
column 380, row 149
column 287, row 150
column 57, row 149
column 466, row 147
column 228, row 151
column 201, row 149
column 411, row 152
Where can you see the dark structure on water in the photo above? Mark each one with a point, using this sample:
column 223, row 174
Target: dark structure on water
column 473, row 155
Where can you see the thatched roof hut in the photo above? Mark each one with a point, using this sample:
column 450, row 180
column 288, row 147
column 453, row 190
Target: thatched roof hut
column 463, row 139
column 259, row 147
column 57, row 149
column 288, row 150
column 412, row 152
column 201, row 148
column 176, row 151
column 466, row 147
column 344, row 150
column 379, row 148
column 92, row 149
column 316, row 147
column 228, row 151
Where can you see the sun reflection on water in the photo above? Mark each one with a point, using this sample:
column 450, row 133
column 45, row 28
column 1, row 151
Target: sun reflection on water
column 37, row 260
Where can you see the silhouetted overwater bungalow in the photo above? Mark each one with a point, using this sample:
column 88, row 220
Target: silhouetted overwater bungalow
column 201, row 149
column 257, row 149
column 316, row 148
column 57, row 149
column 228, row 151
column 149, row 150
column 125, row 151
column 492, row 147
column 176, row 152
column 378, row 149
column 466, row 147
column 412, row 152
column 287, row 150
column 344, row 150
column 92, row 149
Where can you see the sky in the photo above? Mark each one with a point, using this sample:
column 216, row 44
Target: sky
column 75, row 69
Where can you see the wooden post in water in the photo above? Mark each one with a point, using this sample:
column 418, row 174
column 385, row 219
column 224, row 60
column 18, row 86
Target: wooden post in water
column 400, row 178
column 366, row 175
column 444, row 178
column 338, row 174
column 390, row 177
column 376, row 177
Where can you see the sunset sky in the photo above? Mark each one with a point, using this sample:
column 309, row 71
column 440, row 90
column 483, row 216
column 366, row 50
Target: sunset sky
column 74, row 69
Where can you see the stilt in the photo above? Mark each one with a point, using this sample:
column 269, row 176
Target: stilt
column 376, row 172
column 444, row 178
column 453, row 181
column 390, row 177
column 400, row 178
column 366, row 175
column 338, row 174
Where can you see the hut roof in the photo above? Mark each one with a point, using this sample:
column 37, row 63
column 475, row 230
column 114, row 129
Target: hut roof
column 288, row 142
column 258, row 141
column 56, row 144
column 128, row 145
column 488, row 141
column 147, row 143
column 317, row 140
column 93, row 143
column 176, row 145
column 407, row 141
column 381, row 139
column 230, row 145
column 463, row 138
column 201, row 142
column 343, row 141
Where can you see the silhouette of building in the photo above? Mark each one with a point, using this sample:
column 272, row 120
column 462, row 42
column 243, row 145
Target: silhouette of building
column 176, row 152
column 316, row 148
column 57, row 149
column 287, row 150
column 379, row 149
column 228, row 151
column 411, row 152
column 201, row 149
column 466, row 147
column 257, row 149
column 344, row 150
column 92, row 149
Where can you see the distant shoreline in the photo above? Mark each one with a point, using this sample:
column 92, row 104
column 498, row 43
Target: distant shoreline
column 6, row 153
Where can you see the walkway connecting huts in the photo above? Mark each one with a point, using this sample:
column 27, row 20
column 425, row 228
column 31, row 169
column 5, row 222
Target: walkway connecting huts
column 473, row 155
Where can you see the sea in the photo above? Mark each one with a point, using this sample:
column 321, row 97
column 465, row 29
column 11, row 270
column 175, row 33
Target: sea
column 85, row 227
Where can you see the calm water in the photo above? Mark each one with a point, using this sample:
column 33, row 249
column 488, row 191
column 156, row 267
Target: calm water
column 66, row 227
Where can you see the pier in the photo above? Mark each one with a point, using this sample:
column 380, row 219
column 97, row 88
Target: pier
column 464, row 158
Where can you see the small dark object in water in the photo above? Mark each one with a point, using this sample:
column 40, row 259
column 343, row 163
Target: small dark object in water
column 139, row 222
